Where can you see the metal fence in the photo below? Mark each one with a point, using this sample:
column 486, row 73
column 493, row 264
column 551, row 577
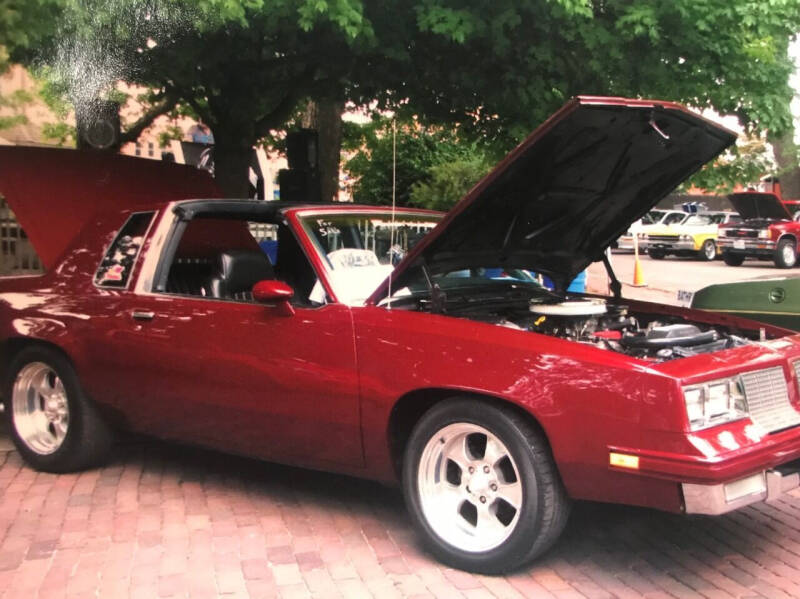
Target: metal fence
column 17, row 256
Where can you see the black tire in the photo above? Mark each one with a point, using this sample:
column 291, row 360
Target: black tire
column 785, row 254
column 708, row 251
column 544, row 506
column 87, row 439
column 732, row 259
column 656, row 254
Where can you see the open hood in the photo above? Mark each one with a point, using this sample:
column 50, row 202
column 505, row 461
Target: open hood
column 758, row 204
column 53, row 192
column 571, row 188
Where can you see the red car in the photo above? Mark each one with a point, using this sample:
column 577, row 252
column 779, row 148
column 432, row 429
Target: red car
column 492, row 400
column 768, row 231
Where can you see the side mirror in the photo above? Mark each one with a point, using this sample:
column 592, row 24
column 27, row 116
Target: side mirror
column 271, row 291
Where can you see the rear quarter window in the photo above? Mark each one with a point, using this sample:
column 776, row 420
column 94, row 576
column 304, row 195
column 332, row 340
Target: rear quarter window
column 120, row 257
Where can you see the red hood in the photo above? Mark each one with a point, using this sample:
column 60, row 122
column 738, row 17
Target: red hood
column 759, row 204
column 53, row 192
column 571, row 188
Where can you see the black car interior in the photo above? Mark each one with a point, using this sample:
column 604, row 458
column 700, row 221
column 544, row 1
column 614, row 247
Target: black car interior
column 217, row 257
column 237, row 272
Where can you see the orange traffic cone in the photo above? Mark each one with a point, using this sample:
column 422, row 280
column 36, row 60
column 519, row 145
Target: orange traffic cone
column 638, row 277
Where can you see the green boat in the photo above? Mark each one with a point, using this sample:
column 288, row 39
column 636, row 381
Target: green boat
column 774, row 301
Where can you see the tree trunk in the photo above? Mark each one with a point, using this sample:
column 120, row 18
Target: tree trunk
column 788, row 169
column 232, row 156
column 325, row 116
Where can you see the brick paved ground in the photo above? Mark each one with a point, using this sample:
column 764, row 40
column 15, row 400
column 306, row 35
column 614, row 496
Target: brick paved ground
column 166, row 521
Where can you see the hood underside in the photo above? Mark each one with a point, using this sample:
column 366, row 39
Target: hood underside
column 757, row 204
column 571, row 188
column 54, row 192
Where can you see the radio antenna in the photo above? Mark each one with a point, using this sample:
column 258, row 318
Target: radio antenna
column 394, row 208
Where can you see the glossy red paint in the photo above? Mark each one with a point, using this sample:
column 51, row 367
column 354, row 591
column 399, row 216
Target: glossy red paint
column 272, row 291
column 321, row 387
column 52, row 214
column 276, row 292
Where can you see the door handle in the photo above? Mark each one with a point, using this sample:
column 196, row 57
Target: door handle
column 143, row 315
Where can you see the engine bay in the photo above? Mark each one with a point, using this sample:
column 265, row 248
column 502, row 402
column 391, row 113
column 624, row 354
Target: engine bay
column 603, row 324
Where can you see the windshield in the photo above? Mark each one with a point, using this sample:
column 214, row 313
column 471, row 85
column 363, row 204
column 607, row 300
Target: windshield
column 360, row 250
column 698, row 220
column 674, row 218
column 653, row 217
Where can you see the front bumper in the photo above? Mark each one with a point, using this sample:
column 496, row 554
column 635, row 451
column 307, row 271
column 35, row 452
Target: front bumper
column 746, row 246
column 767, row 485
column 669, row 246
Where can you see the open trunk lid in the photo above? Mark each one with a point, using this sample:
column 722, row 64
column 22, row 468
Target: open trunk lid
column 53, row 192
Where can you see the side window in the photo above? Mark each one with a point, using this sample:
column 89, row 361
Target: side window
column 222, row 258
column 117, row 265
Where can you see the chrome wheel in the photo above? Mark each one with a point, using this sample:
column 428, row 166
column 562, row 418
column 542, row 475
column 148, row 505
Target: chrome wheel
column 469, row 487
column 709, row 250
column 40, row 409
column 788, row 255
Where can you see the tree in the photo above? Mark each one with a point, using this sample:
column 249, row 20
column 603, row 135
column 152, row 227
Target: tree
column 448, row 182
column 494, row 70
column 433, row 165
column 242, row 66
column 325, row 116
column 22, row 25
column 786, row 157
column 501, row 68
column 745, row 163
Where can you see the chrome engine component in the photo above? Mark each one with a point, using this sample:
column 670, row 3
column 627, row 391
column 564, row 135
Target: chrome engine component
column 571, row 308
column 610, row 326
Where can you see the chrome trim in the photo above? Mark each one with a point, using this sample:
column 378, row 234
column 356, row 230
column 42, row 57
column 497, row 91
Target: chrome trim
column 671, row 245
column 144, row 282
column 710, row 499
column 749, row 243
column 142, row 315
column 767, row 397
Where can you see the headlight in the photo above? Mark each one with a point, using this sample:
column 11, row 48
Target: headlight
column 716, row 402
column 686, row 237
column 642, row 235
column 722, row 233
column 763, row 234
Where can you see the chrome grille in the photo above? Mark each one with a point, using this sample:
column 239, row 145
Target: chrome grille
column 662, row 238
column 740, row 233
column 768, row 399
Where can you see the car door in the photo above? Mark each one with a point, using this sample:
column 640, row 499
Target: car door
column 238, row 375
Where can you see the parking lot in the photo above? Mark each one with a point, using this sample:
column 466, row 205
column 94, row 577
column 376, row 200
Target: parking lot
column 161, row 520
column 664, row 278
